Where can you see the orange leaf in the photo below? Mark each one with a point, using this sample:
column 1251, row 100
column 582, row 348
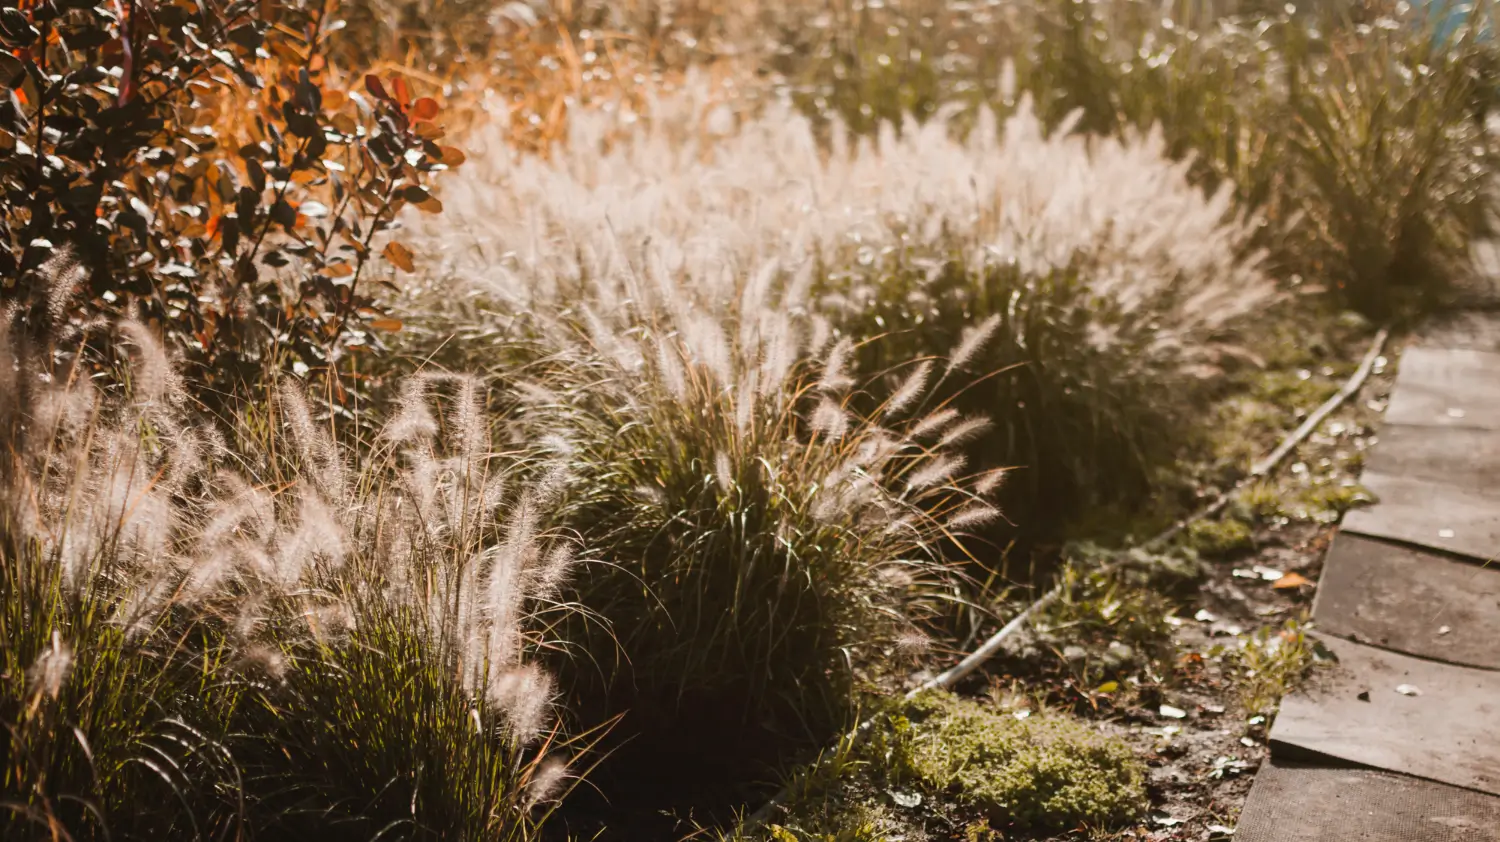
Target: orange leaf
column 452, row 155
column 424, row 109
column 399, row 255
column 392, row 325
column 1291, row 580
column 431, row 205
column 401, row 90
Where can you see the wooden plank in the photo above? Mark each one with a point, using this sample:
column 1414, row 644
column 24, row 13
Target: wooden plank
column 1466, row 330
column 1410, row 600
column 1398, row 713
column 1442, row 387
column 1436, row 515
column 1455, row 455
column 1300, row 803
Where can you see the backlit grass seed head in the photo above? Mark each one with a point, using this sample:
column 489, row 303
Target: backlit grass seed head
column 830, row 419
column 972, row 342
column 937, row 471
column 258, row 659
column 964, row 432
column 975, row 515
column 50, row 671
column 413, row 420
column 523, row 697
column 911, row 388
column 320, row 457
column 989, row 481
column 547, row 781
column 926, row 428
column 834, row 378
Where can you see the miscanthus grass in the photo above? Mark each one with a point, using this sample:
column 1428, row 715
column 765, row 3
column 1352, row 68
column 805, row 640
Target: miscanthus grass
column 271, row 631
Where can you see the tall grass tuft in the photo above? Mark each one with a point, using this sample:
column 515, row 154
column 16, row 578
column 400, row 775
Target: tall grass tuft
column 758, row 537
column 268, row 629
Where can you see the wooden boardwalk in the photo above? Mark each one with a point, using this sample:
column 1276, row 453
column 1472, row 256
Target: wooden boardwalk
column 1399, row 741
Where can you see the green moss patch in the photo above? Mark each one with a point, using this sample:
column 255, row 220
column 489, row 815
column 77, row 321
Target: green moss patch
column 1043, row 772
column 1223, row 537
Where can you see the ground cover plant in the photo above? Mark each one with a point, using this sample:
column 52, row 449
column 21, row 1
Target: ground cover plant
column 1043, row 773
column 803, row 334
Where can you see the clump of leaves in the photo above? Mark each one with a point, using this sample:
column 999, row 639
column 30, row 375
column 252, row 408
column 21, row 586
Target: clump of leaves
column 203, row 170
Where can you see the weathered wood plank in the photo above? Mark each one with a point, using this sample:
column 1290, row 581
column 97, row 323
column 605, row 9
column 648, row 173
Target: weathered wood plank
column 1398, row 713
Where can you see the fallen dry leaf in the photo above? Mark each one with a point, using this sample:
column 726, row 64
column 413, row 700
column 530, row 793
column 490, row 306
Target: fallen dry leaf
column 1291, row 580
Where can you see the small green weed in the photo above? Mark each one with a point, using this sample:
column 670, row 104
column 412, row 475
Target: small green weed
column 1262, row 499
column 1333, row 498
column 1272, row 663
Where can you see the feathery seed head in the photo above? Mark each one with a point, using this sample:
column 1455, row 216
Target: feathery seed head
column 50, row 671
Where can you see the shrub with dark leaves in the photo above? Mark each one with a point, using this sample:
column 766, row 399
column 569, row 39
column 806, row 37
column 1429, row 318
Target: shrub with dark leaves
column 202, row 165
